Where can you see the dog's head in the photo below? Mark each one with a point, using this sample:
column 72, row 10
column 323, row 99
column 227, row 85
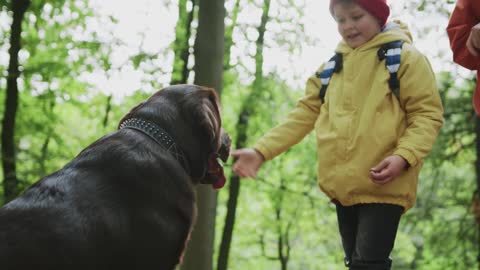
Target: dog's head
column 190, row 114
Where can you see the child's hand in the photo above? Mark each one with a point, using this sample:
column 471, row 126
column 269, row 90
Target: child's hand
column 248, row 162
column 473, row 42
column 388, row 169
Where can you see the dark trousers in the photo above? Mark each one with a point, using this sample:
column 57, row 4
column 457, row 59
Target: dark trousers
column 368, row 233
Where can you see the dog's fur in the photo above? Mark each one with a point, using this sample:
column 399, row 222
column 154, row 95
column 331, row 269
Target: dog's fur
column 123, row 202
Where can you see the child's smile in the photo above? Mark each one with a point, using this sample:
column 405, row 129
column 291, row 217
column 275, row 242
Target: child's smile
column 352, row 36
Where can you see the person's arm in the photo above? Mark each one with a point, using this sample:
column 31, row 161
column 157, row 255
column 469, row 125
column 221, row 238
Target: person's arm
column 422, row 104
column 463, row 32
column 298, row 123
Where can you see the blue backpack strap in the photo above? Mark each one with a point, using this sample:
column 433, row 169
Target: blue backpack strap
column 334, row 65
column 392, row 52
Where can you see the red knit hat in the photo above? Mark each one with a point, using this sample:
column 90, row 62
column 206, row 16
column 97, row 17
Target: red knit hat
column 378, row 8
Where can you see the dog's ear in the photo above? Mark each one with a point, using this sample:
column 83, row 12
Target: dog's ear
column 205, row 107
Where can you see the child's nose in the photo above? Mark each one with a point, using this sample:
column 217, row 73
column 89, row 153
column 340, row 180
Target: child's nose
column 348, row 24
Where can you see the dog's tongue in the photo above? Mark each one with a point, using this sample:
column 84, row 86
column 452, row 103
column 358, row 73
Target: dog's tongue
column 216, row 169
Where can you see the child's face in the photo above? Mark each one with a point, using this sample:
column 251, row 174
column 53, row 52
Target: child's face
column 355, row 24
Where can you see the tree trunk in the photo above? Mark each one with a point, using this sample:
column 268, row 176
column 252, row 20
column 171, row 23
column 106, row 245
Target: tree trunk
column 10, row 181
column 49, row 131
column 209, row 52
column 283, row 240
column 229, row 36
column 234, row 191
column 108, row 109
column 242, row 128
column 181, row 47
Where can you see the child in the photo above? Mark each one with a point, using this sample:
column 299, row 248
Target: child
column 371, row 144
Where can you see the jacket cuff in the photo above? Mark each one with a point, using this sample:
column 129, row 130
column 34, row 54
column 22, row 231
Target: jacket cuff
column 408, row 156
column 267, row 155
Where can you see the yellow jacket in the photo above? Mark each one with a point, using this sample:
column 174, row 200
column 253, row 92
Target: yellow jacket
column 362, row 122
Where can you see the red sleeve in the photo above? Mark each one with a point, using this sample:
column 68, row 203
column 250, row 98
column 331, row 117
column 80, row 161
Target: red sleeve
column 465, row 15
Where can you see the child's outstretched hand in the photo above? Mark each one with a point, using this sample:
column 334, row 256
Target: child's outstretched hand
column 388, row 169
column 248, row 162
column 473, row 42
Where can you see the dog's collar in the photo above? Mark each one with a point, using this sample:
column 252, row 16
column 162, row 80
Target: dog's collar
column 159, row 135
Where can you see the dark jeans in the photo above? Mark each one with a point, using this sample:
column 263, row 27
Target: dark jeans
column 368, row 233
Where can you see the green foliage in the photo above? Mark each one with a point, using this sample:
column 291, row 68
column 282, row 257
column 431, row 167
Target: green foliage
column 181, row 45
column 52, row 57
column 141, row 57
column 4, row 4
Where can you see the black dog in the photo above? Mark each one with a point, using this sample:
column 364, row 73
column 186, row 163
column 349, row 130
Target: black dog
column 127, row 201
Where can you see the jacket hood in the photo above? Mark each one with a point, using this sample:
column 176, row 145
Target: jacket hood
column 393, row 31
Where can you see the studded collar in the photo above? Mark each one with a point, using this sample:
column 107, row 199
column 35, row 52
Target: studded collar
column 159, row 135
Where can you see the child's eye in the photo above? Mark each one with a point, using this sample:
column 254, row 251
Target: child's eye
column 358, row 17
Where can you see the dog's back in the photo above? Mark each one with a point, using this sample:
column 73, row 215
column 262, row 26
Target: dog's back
column 102, row 204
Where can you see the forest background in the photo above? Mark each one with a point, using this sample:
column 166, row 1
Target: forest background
column 69, row 69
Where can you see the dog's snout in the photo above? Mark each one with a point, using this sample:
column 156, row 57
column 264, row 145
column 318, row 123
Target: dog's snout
column 225, row 142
